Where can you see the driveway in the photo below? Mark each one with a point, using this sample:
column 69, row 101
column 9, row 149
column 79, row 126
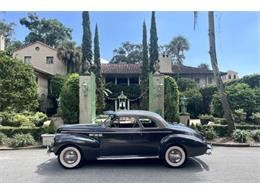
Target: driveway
column 224, row 165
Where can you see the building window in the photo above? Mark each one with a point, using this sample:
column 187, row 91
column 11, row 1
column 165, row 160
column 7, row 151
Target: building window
column 197, row 80
column 234, row 76
column 110, row 80
column 229, row 76
column 49, row 60
column 122, row 80
column 134, row 80
column 27, row 59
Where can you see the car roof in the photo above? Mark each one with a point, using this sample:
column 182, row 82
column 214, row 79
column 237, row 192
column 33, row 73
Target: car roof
column 144, row 113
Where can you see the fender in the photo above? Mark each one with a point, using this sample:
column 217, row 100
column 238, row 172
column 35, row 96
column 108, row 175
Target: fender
column 90, row 146
column 192, row 145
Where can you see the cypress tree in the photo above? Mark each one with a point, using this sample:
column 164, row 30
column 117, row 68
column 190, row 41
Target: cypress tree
column 145, row 70
column 153, row 49
column 86, row 39
column 99, row 81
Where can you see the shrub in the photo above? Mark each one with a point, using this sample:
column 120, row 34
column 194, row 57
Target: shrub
column 256, row 118
column 220, row 130
column 17, row 85
column 21, row 140
column 39, row 118
column 207, row 94
column 194, row 101
column 241, row 136
column 51, row 129
column 240, row 115
column 256, row 135
column 69, row 100
column 23, row 119
column 205, row 118
column 209, row 132
column 171, row 99
column 3, row 138
column 36, row 132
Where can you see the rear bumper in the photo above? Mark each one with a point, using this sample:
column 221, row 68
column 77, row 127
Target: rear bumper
column 209, row 149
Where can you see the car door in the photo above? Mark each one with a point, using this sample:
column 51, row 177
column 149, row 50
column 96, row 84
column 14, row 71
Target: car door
column 151, row 134
column 122, row 137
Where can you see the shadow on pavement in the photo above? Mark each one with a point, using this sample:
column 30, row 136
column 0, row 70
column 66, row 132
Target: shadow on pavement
column 52, row 167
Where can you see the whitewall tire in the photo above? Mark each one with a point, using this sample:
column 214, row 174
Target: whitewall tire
column 70, row 157
column 175, row 156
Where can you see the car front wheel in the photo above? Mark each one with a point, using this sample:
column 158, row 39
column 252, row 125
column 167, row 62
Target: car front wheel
column 175, row 156
column 70, row 157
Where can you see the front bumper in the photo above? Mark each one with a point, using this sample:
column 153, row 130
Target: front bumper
column 209, row 149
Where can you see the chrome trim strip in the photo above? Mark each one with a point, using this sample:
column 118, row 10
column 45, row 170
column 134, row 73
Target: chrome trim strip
column 121, row 132
column 125, row 157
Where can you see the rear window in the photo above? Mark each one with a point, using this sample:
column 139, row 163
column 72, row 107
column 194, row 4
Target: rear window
column 147, row 122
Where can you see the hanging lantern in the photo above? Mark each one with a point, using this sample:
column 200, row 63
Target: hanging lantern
column 122, row 101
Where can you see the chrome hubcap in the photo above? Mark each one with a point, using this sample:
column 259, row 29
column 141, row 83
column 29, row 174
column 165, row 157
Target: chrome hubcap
column 175, row 156
column 70, row 157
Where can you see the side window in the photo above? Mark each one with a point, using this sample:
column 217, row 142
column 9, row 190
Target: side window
column 148, row 123
column 124, row 122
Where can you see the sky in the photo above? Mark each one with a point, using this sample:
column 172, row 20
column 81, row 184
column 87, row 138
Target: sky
column 237, row 34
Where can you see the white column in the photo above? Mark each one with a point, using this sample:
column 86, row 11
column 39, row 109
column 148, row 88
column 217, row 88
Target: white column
column 128, row 81
column 116, row 80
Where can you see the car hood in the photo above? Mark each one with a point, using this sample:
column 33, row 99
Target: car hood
column 81, row 127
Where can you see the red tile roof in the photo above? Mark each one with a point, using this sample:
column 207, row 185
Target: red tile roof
column 181, row 69
column 121, row 69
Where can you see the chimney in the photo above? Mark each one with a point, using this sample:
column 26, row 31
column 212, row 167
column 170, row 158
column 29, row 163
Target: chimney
column 2, row 43
column 165, row 63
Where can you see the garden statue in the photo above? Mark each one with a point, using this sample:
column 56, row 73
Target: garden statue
column 183, row 105
column 84, row 68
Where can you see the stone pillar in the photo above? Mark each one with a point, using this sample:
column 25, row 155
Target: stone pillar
column 156, row 93
column 87, row 98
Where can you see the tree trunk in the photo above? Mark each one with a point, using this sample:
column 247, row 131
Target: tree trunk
column 214, row 63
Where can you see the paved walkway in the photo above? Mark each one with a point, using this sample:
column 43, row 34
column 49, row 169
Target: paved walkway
column 224, row 165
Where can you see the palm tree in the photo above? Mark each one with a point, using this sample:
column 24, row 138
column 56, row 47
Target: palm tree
column 70, row 55
column 176, row 48
column 214, row 64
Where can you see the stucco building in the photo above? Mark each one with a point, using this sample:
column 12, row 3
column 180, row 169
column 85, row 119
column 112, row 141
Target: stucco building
column 229, row 76
column 2, row 42
column 44, row 61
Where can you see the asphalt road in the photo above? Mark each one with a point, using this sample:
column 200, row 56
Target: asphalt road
column 224, row 165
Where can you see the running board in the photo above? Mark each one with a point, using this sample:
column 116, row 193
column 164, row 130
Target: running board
column 125, row 157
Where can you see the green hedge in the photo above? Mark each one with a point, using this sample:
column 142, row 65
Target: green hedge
column 36, row 132
column 222, row 130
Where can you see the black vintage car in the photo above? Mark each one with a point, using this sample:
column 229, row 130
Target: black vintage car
column 132, row 134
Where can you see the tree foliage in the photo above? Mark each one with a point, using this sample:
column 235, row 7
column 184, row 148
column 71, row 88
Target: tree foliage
column 7, row 30
column 204, row 66
column 145, row 71
column 241, row 96
column 127, row 53
column 70, row 55
column 86, row 47
column 171, row 99
column 100, row 102
column 69, row 100
column 153, row 47
column 185, row 84
column 176, row 49
column 49, row 31
column 17, row 85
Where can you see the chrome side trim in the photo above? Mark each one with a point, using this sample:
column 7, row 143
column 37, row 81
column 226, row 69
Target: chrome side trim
column 125, row 157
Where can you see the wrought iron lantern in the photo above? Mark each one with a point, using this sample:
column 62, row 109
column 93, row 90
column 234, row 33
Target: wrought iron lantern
column 122, row 101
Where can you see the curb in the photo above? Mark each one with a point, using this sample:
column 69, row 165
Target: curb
column 234, row 145
column 23, row 148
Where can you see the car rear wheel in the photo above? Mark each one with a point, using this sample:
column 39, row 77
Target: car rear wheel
column 175, row 156
column 70, row 157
